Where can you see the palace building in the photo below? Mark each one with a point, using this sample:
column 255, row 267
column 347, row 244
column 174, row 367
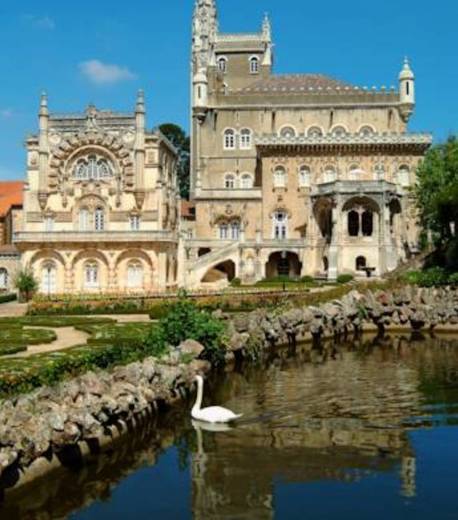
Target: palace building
column 100, row 203
column 299, row 175
column 291, row 175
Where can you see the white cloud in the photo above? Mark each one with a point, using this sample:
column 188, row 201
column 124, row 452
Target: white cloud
column 42, row 22
column 6, row 113
column 105, row 74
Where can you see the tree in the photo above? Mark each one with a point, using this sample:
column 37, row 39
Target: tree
column 177, row 136
column 437, row 189
column 26, row 283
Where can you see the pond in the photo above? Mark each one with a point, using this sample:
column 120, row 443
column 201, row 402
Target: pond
column 361, row 430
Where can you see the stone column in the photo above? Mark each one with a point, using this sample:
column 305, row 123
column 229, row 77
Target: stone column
column 161, row 274
column 335, row 241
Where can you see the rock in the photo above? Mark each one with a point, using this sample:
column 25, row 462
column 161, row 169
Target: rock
column 192, row 348
column 238, row 341
column 57, row 421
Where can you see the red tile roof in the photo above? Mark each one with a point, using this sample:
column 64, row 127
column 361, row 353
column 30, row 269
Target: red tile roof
column 10, row 195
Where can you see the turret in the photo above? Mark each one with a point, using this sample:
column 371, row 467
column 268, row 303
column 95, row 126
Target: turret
column 140, row 124
column 43, row 149
column 200, row 84
column 267, row 37
column 406, row 91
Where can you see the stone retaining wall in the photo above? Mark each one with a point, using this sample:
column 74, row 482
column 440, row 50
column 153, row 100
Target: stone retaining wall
column 85, row 414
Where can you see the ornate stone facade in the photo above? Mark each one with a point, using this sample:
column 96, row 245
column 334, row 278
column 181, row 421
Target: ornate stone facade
column 296, row 174
column 101, row 204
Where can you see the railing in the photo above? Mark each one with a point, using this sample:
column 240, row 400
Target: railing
column 94, row 236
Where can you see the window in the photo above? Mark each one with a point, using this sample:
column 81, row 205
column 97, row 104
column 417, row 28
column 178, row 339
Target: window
column 134, row 223
column 3, row 279
column 134, row 275
column 235, row 230
column 353, row 223
column 330, row 174
column 338, row 131
column 288, row 132
column 84, row 220
column 355, row 172
column 361, row 263
column 48, row 278
column 404, row 176
column 254, row 65
column 379, row 172
column 367, row 223
column 245, row 139
column 91, row 276
column 315, row 131
column 92, row 168
column 304, row 177
column 229, row 139
column 99, row 219
column 229, row 181
column 279, row 177
column 222, row 64
column 49, row 224
column 247, row 181
column 223, row 231
column 280, row 225
column 366, row 130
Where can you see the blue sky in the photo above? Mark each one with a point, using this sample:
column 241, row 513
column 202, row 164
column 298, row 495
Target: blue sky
column 103, row 51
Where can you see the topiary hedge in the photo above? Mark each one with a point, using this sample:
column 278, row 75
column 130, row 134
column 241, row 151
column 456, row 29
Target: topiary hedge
column 6, row 298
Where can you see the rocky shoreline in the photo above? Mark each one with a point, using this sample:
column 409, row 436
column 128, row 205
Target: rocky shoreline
column 56, row 426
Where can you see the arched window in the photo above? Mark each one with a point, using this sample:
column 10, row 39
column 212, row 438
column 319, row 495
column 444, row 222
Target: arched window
column 247, row 181
column 404, row 176
column 48, row 278
column 315, row 131
column 338, row 131
column 288, row 132
column 99, row 219
column 229, row 181
column 229, row 139
column 92, row 168
column 353, row 223
column 134, row 275
column 91, row 275
column 254, row 65
column 366, row 130
column 3, row 279
column 280, row 225
column 222, row 64
column 367, row 223
column 235, row 230
column 304, row 177
column 223, row 231
column 279, row 177
column 355, row 172
column 84, row 219
column 330, row 174
column 245, row 139
column 361, row 263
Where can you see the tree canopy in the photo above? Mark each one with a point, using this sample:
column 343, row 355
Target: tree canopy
column 177, row 136
column 437, row 189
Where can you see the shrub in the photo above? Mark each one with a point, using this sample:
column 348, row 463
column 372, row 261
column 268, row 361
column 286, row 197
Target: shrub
column 26, row 284
column 6, row 298
column 431, row 277
column 308, row 279
column 236, row 282
column 345, row 278
column 453, row 279
column 185, row 320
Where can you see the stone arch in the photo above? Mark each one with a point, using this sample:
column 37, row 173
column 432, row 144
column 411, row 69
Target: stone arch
column 283, row 263
column 322, row 211
column 222, row 271
column 105, row 276
column 42, row 263
column 4, row 278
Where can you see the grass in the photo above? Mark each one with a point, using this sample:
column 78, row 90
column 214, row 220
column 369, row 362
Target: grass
column 53, row 321
column 105, row 333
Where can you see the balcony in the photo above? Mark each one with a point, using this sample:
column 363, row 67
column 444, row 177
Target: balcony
column 229, row 194
column 54, row 237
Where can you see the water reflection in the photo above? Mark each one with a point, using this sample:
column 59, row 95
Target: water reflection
column 343, row 413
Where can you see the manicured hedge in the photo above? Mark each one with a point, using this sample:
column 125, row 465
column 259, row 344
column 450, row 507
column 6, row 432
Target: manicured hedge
column 6, row 298
column 53, row 321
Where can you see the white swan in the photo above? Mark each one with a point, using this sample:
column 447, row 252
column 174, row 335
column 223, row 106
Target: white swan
column 214, row 414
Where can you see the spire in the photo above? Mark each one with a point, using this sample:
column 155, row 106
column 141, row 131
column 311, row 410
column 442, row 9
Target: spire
column 204, row 30
column 44, row 104
column 406, row 72
column 140, row 106
column 266, row 28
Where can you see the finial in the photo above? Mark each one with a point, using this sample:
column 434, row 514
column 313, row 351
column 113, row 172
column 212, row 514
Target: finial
column 140, row 101
column 266, row 27
column 406, row 72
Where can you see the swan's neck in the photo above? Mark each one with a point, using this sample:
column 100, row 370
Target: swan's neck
column 200, row 393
